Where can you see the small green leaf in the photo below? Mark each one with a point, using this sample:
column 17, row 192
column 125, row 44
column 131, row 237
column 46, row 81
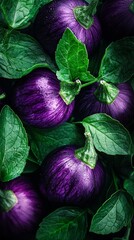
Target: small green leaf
column 14, row 147
column 65, row 223
column 113, row 215
column 117, row 65
column 71, row 55
column 129, row 185
column 19, row 13
column 20, row 54
column 108, row 134
column 46, row 140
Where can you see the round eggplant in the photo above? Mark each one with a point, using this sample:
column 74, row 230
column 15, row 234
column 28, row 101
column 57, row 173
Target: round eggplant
column 53, row 19
column 120, row 108
column 21, row 209
column 37, row 101
column 64, row 179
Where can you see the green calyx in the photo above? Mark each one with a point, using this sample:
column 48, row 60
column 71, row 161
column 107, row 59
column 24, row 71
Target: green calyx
column 2, row 96
column 87, row 154
column 106, row 92
column 7, row 200
column 68, row 90
column 85, row 14
column 131, row 6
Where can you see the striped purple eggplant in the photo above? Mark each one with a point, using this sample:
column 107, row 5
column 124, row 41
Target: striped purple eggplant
column 53, row 19
column 64, row 179
column 121, row 108
column 36, row 100
column 21, row 209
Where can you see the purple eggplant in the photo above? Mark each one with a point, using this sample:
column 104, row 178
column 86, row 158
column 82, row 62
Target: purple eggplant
column 36, row 100
column 64, row 179
column 53, row 19
column 121, row 107
column 21, row 209
column 117, row 17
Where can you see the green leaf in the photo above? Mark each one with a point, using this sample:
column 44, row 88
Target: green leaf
column 20, row 54
column 108, row 134
column 129, row 185
column 113, row 215
column 72, row 60
column 71, row 55
column 117, row 65
column 14, row 147
column 65, row 223
column 19, row 13
column 43, row 141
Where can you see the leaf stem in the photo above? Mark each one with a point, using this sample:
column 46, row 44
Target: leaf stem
column 88, row 83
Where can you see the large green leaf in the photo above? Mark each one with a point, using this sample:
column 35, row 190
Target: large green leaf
column 14, row 147
column 108, row 134
column 113, row 215
column 19, row 13
column 117, row 65
column 65, row 223
column 20, row 54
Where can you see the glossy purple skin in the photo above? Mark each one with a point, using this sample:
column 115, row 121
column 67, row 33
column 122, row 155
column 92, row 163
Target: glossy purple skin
column 37, row 101
column 53, row 19
column 117, row 18
column 23, row 219
column 122, row 108
column 67, row 180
